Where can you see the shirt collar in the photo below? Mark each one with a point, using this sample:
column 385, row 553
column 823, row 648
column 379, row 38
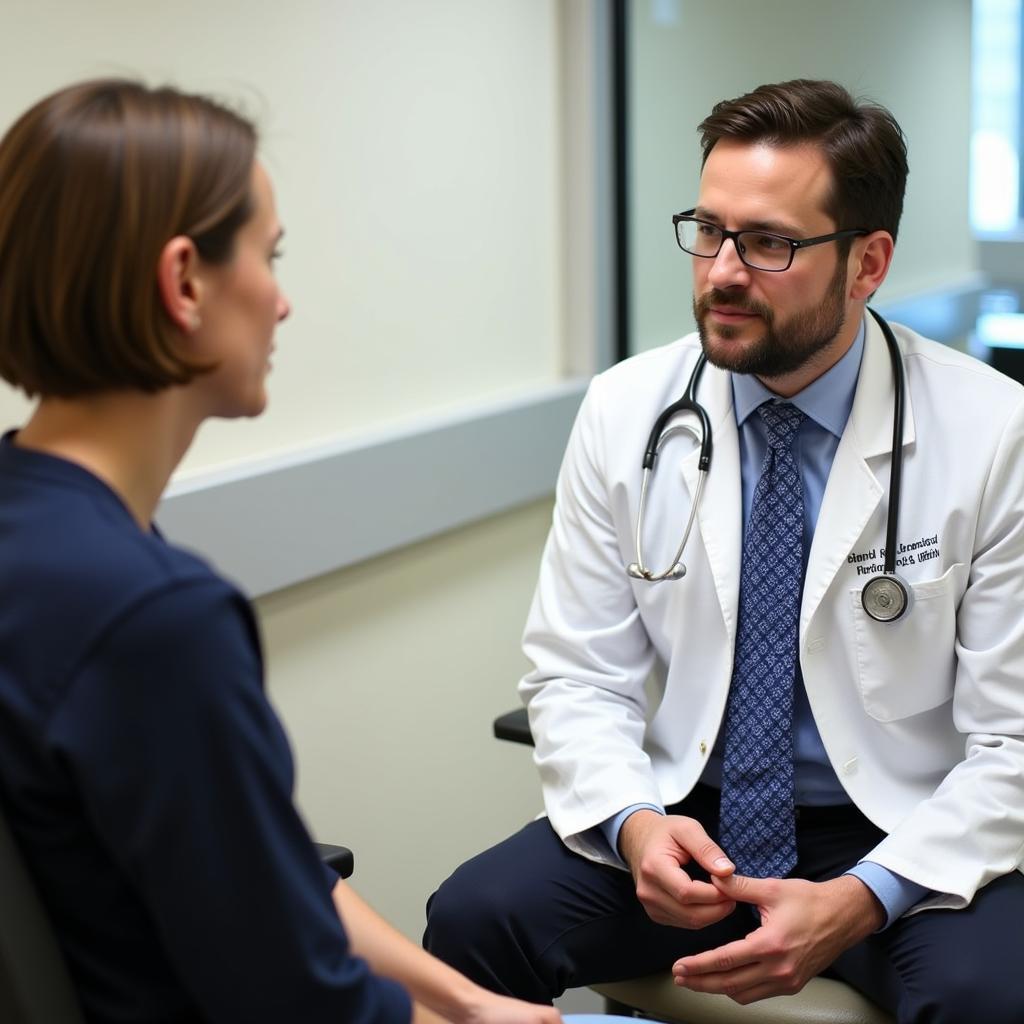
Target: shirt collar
column 826, row 400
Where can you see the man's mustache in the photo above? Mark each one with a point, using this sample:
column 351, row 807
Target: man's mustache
column 714, row 297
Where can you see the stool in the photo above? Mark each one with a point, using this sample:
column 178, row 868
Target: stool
column 821, row 1001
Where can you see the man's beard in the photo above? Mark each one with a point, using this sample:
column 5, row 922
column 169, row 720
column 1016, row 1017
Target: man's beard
column 782, row 348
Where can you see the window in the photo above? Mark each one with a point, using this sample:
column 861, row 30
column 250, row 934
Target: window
column 995, row 196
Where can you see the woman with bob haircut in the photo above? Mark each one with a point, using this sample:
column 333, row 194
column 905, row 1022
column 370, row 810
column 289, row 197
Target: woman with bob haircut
column 143, row 773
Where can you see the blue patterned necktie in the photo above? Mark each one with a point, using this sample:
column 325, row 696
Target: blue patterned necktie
column 758, row 829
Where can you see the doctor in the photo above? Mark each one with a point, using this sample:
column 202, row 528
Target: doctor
column 791, row 784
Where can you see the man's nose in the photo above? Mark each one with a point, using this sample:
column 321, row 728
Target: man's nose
column 727, row 269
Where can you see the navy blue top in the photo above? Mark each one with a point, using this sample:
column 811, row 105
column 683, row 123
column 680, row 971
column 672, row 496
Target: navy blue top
column 147, row 779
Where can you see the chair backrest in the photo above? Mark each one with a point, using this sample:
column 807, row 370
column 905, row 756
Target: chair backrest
column 34, row 983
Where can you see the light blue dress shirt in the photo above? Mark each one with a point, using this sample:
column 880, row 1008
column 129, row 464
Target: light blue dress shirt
column 826, row 403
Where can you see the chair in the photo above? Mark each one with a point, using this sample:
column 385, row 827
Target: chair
column 34, row 984
column 822, row 1000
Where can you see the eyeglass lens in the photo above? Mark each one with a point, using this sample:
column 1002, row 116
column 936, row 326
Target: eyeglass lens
column 757, row 249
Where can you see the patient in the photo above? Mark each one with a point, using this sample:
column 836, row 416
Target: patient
column 142, row 771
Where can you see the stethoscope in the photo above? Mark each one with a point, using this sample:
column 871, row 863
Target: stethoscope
column 886, row 597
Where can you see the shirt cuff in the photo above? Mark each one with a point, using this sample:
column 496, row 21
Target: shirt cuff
column 896, row 893
column 611, row 827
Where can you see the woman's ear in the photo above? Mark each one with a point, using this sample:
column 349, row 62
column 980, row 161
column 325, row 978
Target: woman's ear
column 177, row 276
column 870, row 258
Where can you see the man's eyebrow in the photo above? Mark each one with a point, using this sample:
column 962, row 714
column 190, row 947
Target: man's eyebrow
column 776, row 227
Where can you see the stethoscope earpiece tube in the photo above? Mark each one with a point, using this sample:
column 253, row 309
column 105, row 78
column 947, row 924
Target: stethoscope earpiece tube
column 688, row 403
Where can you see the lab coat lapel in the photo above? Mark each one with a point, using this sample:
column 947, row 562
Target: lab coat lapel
column 719, row 515
column 854, row 491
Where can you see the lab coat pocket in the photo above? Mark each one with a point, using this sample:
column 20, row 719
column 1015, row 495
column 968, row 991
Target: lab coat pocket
column 908, row 666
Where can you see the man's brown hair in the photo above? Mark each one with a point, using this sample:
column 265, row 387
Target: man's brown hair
column 94, row 181
column 860, row 140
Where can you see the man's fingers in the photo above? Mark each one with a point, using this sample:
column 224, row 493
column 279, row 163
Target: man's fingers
column 692, row 916
column 732, row 983
column 738, row 970
column 725, row 958
column 743, row 988
column 704, row 850
column 745, row 889
column 668, row 893
column 671, row 897
column 700, row 916
column 663, row 876
column 697, row 892
column 745, row 983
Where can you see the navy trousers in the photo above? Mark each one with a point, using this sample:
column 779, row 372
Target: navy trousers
column 529, row 918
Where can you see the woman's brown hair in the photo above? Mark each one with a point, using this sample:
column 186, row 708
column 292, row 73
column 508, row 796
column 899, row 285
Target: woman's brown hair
column 94, row 181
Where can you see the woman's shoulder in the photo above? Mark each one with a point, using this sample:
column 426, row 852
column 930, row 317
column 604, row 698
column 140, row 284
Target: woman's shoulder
column 67, row 531
column 77, row 564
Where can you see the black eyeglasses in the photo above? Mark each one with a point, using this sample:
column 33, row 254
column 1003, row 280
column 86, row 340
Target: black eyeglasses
column 759, row 250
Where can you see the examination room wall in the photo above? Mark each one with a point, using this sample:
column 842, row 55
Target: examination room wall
column 415, row 153
column 389, row 675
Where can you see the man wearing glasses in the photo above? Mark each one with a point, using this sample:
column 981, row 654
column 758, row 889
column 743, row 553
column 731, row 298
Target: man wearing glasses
column 792, row 786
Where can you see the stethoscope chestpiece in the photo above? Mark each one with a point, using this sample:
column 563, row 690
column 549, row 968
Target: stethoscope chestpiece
column 886, row 598
column 677, row 572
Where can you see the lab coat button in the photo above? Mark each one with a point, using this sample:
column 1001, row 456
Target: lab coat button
column 703, row 747
column 850, row 767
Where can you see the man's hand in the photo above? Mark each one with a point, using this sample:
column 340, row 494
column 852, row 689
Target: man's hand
column 804, row 927
column 656, row 847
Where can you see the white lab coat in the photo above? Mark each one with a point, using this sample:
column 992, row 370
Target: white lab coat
column 922, row 719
